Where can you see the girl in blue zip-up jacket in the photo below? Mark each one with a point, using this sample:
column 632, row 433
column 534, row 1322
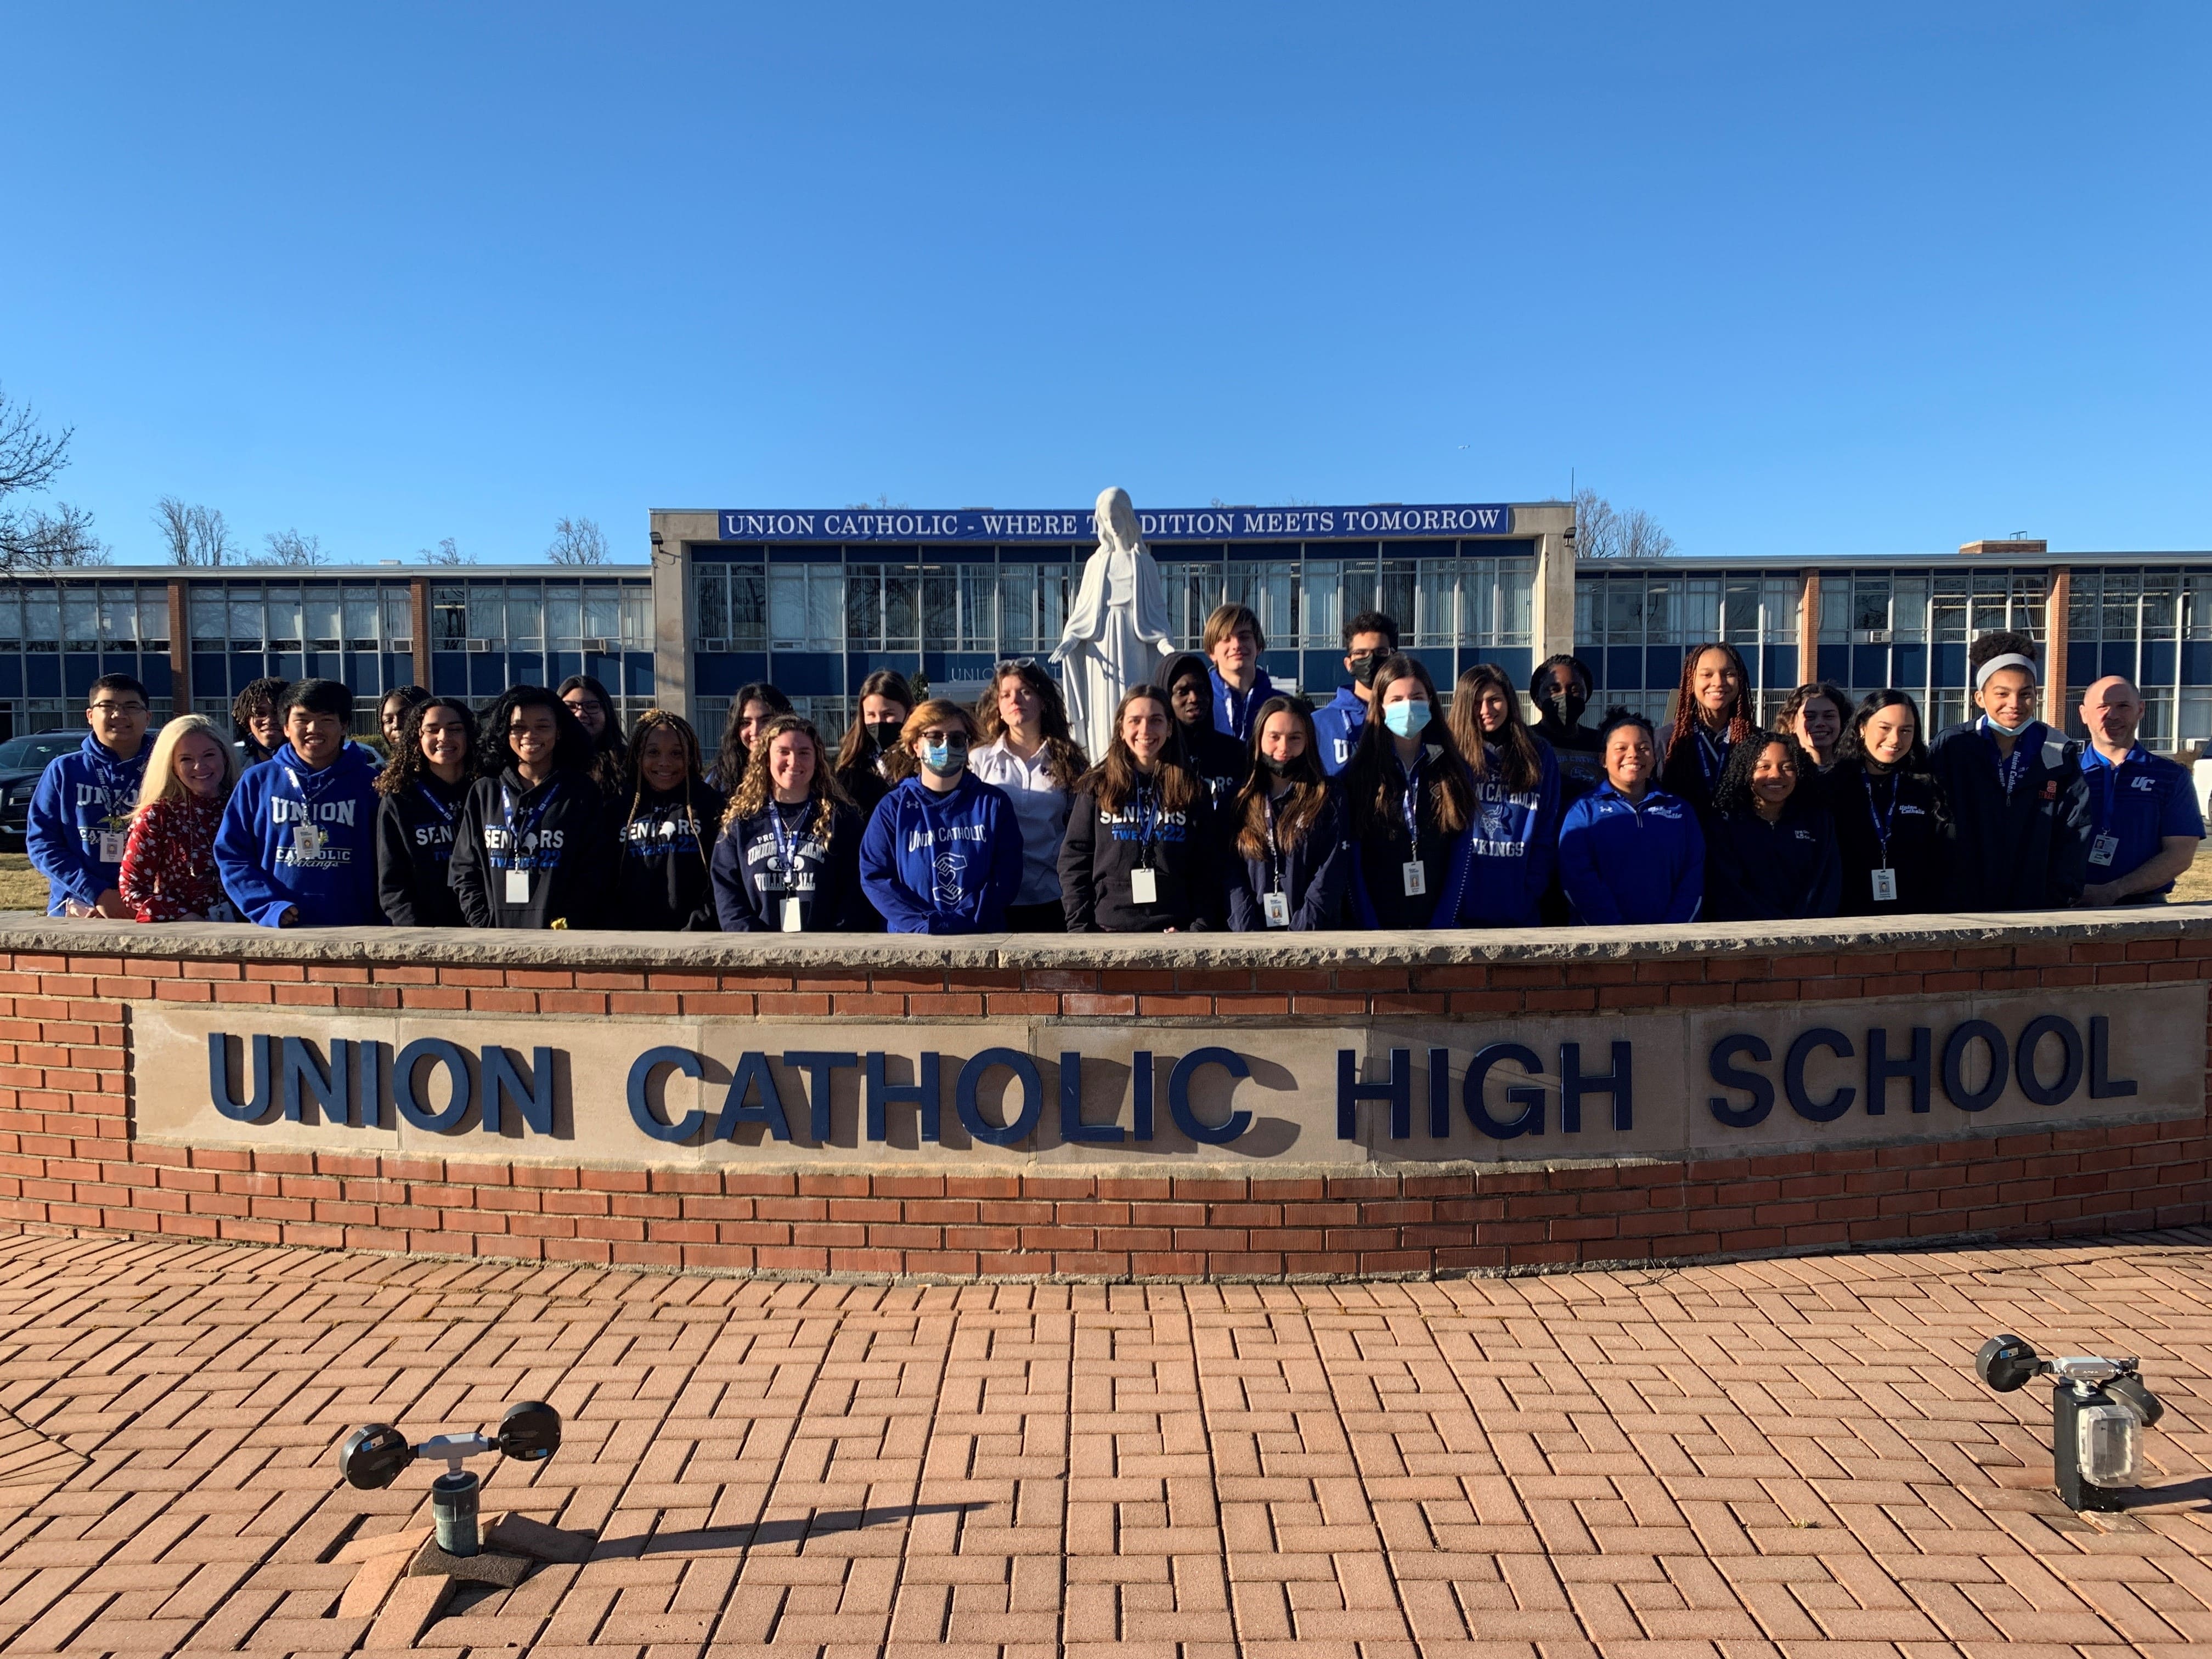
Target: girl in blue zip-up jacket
column 1629, row 853
column 943, row 853
column 1513, row 843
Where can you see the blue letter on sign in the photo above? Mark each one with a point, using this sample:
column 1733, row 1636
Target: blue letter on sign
column 1526, row 1097
column 413, row 1108
column 1350, row 1092
column 1619, row 1082
column 264, row 1095
column 1072, row 1128
column 1728, row 1075
column 535, row 1102
column 971, row 1114
column 1190, row 1066
column 330, row 1089
column 640, row 1108
column 753, row 1072
column 1793, row 1076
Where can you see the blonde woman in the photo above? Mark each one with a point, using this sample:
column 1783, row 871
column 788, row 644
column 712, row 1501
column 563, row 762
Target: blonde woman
column 664, row 815
column 788, row 861
column 169, row 864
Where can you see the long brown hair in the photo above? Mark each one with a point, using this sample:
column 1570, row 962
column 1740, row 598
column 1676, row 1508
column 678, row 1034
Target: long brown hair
column 730, row 763
column 694, row 770
column 1688, row 722
column 1309, row 785
column 754, row 790
column 1371, row 781
column 1114, row 779
column 1065, row 759
column 853, row 748
column 1520, row 767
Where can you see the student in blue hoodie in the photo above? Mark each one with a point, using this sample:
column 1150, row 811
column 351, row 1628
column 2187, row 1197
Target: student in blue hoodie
column 943, row 853
column 80, row 815
column 298, row 843
column 1514, row 842
column 1629, row 853
column 1369, row 638
column 1770, row 847
column 1232, row 642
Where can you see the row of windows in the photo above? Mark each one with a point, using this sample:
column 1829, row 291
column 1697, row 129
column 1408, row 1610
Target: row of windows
column 1914, row 608
column 2149, row 604
column 488, row 616
column 1637, row 608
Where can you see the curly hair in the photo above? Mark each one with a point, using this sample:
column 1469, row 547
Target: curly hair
column 754, row 790
column 409, row 765
column 1684, row 733
column 573, row 748
column 1732, row 793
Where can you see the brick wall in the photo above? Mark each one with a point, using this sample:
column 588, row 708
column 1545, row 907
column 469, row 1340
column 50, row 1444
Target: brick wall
column 67, row 1158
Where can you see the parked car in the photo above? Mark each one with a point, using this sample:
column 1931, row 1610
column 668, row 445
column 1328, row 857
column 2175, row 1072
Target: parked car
column 22, row 761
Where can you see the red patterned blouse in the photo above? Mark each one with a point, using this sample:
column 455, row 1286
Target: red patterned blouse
column 169, row 864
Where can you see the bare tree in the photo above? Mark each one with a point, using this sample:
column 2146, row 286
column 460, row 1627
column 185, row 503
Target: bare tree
column 290, row 547
column 447, row 551
column 577, row 541
column 1603, row 531
column 32, row 537
column 194, row 535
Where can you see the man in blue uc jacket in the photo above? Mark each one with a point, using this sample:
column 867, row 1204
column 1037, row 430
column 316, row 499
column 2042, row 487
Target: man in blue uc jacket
column 1369, row 638
column 298, row 843
column 80, row 817
column 2144, row 825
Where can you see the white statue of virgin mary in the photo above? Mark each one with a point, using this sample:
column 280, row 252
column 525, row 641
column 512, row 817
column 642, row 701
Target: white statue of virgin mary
column 1117, row 631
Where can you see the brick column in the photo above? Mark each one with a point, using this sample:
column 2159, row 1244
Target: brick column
column 1809, row 630
column 180, row 648
column 2058, row 614
column 418, row 600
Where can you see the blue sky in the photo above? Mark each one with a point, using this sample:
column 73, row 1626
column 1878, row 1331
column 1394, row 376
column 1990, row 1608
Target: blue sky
column 1798, row 279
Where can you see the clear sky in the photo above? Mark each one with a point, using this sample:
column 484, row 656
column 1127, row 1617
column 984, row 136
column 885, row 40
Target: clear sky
column 1799, row 279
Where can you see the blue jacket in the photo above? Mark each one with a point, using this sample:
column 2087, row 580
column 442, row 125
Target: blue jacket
column 257, row 852
column 1336, row 724
column 1787, row 871
column 81, row 798
column 942, row 864
column 1629, row 862
column 1512, row 847
column 2138, row 803
column 1233, row 712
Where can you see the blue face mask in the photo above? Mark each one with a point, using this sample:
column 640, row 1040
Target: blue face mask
column 946, row 758
column 1405, row 720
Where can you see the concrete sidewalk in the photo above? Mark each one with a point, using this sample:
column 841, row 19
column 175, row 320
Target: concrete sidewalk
column 1783, row 1456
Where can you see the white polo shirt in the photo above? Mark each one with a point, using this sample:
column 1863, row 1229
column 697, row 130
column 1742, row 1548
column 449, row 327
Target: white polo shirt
column 1041, row 808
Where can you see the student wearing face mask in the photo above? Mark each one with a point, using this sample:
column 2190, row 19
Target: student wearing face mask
column 943, row 853
column 530, row 848
column 662, row 825
column 1815, row 715
column 1369, row 639
column 1888, row 811
column 1770, row 851
column 789, row 858
column 1561, row 689
column 1029, row 753
column 1291, row 865
column 2019, row 825
column 1411, row 805
column 420, row 808
column 1631, row 853
column 1513, row 844
column 1217, row 761
column 1139, row 854
column 870, row 760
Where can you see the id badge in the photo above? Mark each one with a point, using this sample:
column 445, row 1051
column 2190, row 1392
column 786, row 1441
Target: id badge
column 795, row 920
column 2102, row 849
column 112, row 845
column 1417, row 878
column 1143, row 887
column 1885, row 887
column 517, row 887
column 307, row 839
column 1276, row 908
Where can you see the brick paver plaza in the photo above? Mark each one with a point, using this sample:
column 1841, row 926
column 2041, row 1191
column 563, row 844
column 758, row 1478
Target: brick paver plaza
column 1775, row 1456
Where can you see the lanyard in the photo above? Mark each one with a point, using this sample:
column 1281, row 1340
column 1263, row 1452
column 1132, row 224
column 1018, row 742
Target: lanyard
column 1148, row 811
column 445, row 814
column 1238, row 706
column 1712, row 758
column 516, row 837
column 118, row 777
column 1412, row 803
column 787, row 840
column 1882, row 821
column 311, row 796
column 2012, row 768
column 1274, row 853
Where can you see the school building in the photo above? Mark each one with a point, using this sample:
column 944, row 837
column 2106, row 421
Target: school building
column 815, row 599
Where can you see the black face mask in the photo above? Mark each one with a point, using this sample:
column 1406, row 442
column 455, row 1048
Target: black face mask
column 1567, row 706
column 885, row 734
column 1365, row 665
column 1276, row 768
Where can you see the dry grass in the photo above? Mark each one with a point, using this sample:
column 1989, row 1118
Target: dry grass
column 2195, row 886
column 22, row 888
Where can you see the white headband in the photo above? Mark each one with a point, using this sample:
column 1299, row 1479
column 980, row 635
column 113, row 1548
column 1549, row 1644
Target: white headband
column 2012, row 659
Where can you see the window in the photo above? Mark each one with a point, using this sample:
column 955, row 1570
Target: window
column 636, row 630
column 360, row 618
column 118, row 619
column 399, row 603
column 11, row 618
column 602, row 613
column 283, row 604
column 153, row 618
column 208, row 627
column 806, row 607
column 80, row 620
column 525, row 615
column 320, row 619
column 487, row 613
column 1266, row 585
column 42, row 618
column 449, row 617
column 1869, row 605
column 1032, row 606
column 1908, row 610
column 246, row 625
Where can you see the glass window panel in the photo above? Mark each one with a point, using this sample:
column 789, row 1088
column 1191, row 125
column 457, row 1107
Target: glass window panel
column 283, row 604
column 637, row 618
column 1740, row 613
column 1436, row 601
column 2161, row 606
column 42, row 619
column 1355, row 587
column 1588, row 612
column 11, row 617
column 1018, row 586
column 1398, row 595
column 360, row 619
column 449, row 616
column 902, row 606
column 320, row 619
column 2156, row 731
column 154, row 616
column 246, row 624
column 2083, row 605
column 398, row 607
column 1478, row 599
column 1516, row 602
column 488, row 612
column 1908, row 608
column 118, row 617
column 747, row 606
column 80, row 620
column 1623, row 609
column 1700, row 615
column 2122, row 592
column 864, row 606
column 2199, row 597
column 207, row 614
column 1056, row 582
column 602, row 613
column 564, row 618
column 1869, row 604
column 2030, row 607
column 786, row 607
column 526, row 613
column 1321, row 614
column 2195, row 714
column 979, row 629
column 939, row 606
column 710, row 602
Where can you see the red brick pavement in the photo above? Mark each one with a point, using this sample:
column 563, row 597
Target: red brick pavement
column 1782, row 1457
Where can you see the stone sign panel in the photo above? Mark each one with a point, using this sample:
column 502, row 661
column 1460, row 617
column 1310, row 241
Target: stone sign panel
column 1238, row 1095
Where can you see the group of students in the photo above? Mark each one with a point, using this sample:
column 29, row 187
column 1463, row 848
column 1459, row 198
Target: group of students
column 1220, row 802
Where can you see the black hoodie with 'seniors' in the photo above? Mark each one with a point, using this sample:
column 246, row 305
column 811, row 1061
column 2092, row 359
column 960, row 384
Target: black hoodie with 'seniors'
column 557, row 838
column 663, row 842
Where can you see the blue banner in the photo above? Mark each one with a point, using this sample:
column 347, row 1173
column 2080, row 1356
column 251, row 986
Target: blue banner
column 1205, row 524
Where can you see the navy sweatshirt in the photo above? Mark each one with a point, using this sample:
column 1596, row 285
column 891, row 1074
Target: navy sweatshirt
column 662, row 844
column 414, row 849
column 1102, row 850
column 1634, row 862
column 1889, row 821
column 2025, row 848
column 557, row 835
column 1786, row 870
column 1313, row 876
column 755, row 871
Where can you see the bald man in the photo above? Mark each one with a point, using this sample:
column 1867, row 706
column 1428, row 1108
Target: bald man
column 2144, row 823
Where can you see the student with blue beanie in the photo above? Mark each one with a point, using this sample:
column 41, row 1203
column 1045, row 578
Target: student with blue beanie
column 1514, row 842
column 943, row 853
column 1370, row 639
column 1629, row 853
column 298, row 843
column 1771, row 849
column 79, row 823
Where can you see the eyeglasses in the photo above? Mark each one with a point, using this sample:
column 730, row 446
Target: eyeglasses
column 117, row 707
column 1009, row 665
